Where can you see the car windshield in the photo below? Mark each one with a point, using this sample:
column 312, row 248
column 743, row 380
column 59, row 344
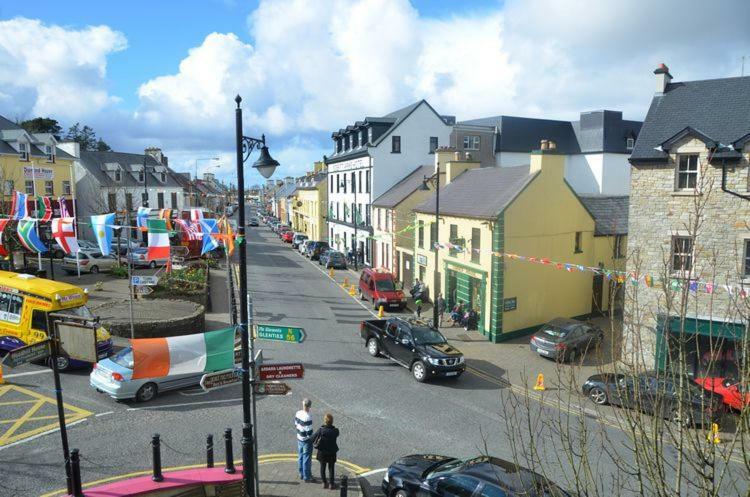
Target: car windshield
column 80, row 311
column 446, row 469
column 555, row 331
column 385, row 285
column 124, row 358
column 427, row 336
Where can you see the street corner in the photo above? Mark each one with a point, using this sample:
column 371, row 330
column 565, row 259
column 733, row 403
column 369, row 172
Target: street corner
column 25, row 414
column 279, row 475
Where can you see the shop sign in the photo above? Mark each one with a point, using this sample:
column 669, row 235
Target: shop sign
column 421, row 260
column 42, row 173
column 510, row 304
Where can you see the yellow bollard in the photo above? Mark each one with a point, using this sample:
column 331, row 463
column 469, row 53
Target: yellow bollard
column 539, row 383
column 352, row 292
column 2, row 380
column 380, row 312
column 346, row 281
column 330, row 272
column 713, row 435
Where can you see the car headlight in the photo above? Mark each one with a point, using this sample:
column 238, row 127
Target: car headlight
column 461, row 360
column 387, row 477
column 433, row 361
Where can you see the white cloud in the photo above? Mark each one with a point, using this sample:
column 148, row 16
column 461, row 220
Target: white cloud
column 51, row 70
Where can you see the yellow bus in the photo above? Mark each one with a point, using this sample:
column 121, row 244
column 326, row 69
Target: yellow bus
column 25, row 301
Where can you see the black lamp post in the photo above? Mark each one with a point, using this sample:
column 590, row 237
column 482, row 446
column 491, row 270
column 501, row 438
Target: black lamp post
column 265, row 165
column 435, row 178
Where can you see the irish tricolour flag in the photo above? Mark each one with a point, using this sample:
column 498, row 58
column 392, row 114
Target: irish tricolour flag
column 188, row 354
column 158, row 239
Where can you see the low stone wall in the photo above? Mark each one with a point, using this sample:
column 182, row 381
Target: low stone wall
column 202, row 297
column 152, row 317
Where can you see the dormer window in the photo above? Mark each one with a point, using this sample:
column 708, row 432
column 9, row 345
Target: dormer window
column 351, row 141
column 141, row 176
column 338, row 144
column 369, row 136
column 49, row 151
column 23, row 151
column 118, row 175
column 630, row 143
column 163, row 177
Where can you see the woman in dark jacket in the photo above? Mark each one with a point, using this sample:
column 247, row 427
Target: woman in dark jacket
column 325, row 442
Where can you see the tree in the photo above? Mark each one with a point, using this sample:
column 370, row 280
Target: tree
column 101, row 146
column 86, row 137
column 42, row 125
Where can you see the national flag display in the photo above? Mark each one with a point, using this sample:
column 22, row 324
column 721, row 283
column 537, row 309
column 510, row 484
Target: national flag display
column 227, row 235
column 158, row 239
column 28, row 236
column 191, row 231
column 64, row 212
column 141, row 217
column 187, row 354
column 209, row 242
column 18, row 210
column 166, row 215
column 3, row 224
column 43, row 208
column 64, row 232
column 196, row 215
column 102, row 226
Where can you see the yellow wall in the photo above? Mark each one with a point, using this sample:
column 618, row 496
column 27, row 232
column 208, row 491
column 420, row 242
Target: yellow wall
column 311, row 212
column 11, row 168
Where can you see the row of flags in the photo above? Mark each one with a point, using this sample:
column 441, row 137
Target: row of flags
column 44, row 211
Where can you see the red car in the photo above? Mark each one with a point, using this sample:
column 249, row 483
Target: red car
column 729, row 389
column 381, row 288
column 287, row 236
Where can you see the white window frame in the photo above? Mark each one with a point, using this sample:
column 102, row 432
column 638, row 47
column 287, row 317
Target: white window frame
column 118, row 175
column 472, row 142
column 687, row 173
column 23, row 151
column 360, row 143
column 49, row 188
column 9, row 186
column 369, row 135
column 684, row 256
column 49, row 151
column 66, row 188
column 26, row 184
column 630, row 143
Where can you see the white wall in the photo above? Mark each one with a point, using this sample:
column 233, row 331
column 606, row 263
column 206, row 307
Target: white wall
column 616, row 174
column 511, row 159
column 606, row 174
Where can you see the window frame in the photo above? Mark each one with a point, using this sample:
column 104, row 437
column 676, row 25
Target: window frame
column 118, row 175
column 49, row 151
column 472, row 142
column 684, row 256
column 67, row 188
column 49, row 187
column 10, row 185
column 578, row 242
column 23, row 151
column 434, row 143
column 476, row 245
column 688, row 173
column 746, row 268
column 629, row 143
column 617, row 249
column 29, row 183
column 395, row 144
column 420, row 234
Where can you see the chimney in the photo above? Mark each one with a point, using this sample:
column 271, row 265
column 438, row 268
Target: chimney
column 459, row 164
column 663, row 78
column 443, row 155
column 549, row 161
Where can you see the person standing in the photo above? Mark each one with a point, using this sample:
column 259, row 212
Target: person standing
column 325, row 441
column 440, row 303
column 303, row 425
column 418, row 304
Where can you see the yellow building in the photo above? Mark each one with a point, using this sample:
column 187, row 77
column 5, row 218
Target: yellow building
column 33, row 164
column 309, row 205
column 529, row 211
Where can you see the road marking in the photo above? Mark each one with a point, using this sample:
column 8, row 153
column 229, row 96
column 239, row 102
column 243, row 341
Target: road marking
column 239, row 399
column 40, row 435
column 372, row 472
column 29, row 373
column 103, row 414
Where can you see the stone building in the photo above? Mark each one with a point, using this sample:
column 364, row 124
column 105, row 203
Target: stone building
column 690, row 163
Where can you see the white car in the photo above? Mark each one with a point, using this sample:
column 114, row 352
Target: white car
column 303, row 247
column 90, row 262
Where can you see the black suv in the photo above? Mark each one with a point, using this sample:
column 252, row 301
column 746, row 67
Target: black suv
column 414, row 344
column 314, row 249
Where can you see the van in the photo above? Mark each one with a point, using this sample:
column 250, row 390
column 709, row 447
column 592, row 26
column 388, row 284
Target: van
column 381, row 287
column 25, row 301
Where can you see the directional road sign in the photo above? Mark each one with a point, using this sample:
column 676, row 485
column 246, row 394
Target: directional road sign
column 281, row 333
column 218, row 379
column 142, row 290
column 271, row 388
column 29, row 353
column 177, row 259
column 144, row 280
column 281, row 371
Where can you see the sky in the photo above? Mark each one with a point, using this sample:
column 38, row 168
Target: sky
column 164, row 73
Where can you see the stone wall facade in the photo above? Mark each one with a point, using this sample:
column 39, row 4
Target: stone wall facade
column 660, row 211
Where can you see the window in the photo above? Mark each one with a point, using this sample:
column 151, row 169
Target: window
column 354, row 182
column 343, row 183
column 351, row 141
column 49, row 188
column 66, row 188
column 619, row 248
column 338, row 184
column 630, row 143
column 112, row 202
column 453, row 238
column 433, row 235
column 433, row 144
column 359, row 139
column 118, row 175
column 174, row 200
column 9, row 187
column 160, row 200
column 129, row 201
column 687, row 172
column 163, row 177
column 11, row 305
column 144, row 199
column 476, row 244
column 359, row 181
column 23, row 151
column 682, row 253
column 367, row 181
column 141, row 176
column 747, row 257
column 578, row 243
column 338, row 145
column 330, row 180
column 29, row 187
column 456, row 486
column 378, row 218
column 395, row 144
column 420, row 234
column 39, row 320
column 367, row 215
column 49, row 151
column 471, row 142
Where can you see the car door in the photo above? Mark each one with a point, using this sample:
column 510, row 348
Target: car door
column 456, row 485
column 404, row 346
column 389, row 338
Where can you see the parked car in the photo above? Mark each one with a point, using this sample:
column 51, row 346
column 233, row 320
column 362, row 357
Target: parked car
column 283, row 229
column 125, row 244
column 430, row 475
column 566, row 339
column 323, row 255
column 297, row 239
column 86, row 245
column 334, row 259
column 315, row 248
column 253, row 222
column 139, row 258
column 90, row 262
column 287, row 236
column 380, row 287
column 656, row 394
column 414, row 344
column 732, row 393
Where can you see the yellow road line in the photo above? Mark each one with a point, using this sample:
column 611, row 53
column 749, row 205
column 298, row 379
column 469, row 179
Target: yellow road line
column 17, row 402
column 20, row 421
column 35, row 418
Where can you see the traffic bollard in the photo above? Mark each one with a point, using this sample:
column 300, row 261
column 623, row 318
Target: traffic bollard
column 75, row 469
column 229, row 465
column 344, row 488
column 210, row 451
column 156, row 449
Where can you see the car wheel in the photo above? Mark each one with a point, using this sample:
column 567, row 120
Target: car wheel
column 361, row 295
column 598, row 396
column 372, row 347
column 146, row 392
column 94, row 269
column 152, row 264
column 400, row 493
column 59, row 254
column 419, row 371
column 63, row 363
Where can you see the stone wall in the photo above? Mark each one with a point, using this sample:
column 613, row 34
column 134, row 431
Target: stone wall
column 152, row 318
column 657, row 213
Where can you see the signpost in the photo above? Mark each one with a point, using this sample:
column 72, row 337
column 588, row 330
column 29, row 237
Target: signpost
column 271, row 388
column 142, row 290
column 35, row 352
column 280, row 333
column 144, row 280
column 77, row 341
column 211, row 381
column 257, row 360
column 281, row 371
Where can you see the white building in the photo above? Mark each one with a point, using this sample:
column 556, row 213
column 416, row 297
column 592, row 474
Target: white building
column 369, row 157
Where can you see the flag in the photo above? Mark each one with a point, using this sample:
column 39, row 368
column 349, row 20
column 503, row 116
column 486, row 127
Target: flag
column 187, row 354
column 43, row 208
column 166, row 215
column 18, row 210
column 141, row 217
column 196, row 215
column 102, row 226
column 63, row 207
column 64, row 232
column 209, row 228
column 191, row 231
column 3, row 224
column 158, row 239
column 28, row 236
column 228, row 236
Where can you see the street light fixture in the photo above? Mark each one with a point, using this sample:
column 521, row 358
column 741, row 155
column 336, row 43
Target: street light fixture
column 265, row 165
column 434, row 179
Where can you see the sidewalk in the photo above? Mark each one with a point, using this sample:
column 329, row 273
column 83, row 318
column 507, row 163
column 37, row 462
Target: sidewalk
column 280, row 479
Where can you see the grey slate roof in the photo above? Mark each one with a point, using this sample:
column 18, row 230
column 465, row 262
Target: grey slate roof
column 480, row 193
column 94, row 163
column 8, row 124
column 401, row 190
column 610, row 213
column 717, row 108
column 312, row 182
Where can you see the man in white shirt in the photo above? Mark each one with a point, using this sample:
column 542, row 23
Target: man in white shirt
column 303, row 425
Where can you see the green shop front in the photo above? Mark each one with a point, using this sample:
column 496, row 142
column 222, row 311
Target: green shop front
column 467, row 285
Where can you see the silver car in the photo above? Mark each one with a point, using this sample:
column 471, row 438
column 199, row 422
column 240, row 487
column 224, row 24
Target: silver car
column 90, row 262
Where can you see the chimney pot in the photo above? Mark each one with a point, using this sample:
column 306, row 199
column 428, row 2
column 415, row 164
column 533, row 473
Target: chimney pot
column 551, row 145
column 468, row 156
column 544, row 145
column 457, row 155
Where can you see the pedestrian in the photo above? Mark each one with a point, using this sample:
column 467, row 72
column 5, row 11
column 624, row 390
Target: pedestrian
column 325, row 441
column 440, row 303
column 457, row 313
column 303, row 425
column 418, row 303
column 415, row 290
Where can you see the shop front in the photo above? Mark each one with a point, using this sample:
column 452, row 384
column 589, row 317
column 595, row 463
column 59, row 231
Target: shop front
column 467, row 286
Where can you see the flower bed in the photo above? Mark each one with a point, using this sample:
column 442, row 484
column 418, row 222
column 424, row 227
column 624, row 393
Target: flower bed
column 189, row 283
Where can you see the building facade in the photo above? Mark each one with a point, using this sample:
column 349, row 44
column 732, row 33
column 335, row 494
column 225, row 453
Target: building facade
column 309, row 209
column 688, row 233
column 369, row 157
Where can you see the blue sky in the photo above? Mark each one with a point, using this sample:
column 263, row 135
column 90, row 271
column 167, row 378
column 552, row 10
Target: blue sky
column 164, row 72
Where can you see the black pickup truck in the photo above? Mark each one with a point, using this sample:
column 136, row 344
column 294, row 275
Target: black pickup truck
column 414, row 344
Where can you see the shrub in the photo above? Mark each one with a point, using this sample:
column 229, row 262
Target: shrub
column 119, row 271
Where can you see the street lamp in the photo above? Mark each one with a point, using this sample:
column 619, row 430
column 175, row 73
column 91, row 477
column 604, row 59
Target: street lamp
column 265, row 165
column 434, row 179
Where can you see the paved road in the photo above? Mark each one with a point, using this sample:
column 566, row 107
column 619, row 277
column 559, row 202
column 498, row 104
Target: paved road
column 381, row 412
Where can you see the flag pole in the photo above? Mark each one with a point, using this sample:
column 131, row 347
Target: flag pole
column 36, row 202
column 75, row 217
